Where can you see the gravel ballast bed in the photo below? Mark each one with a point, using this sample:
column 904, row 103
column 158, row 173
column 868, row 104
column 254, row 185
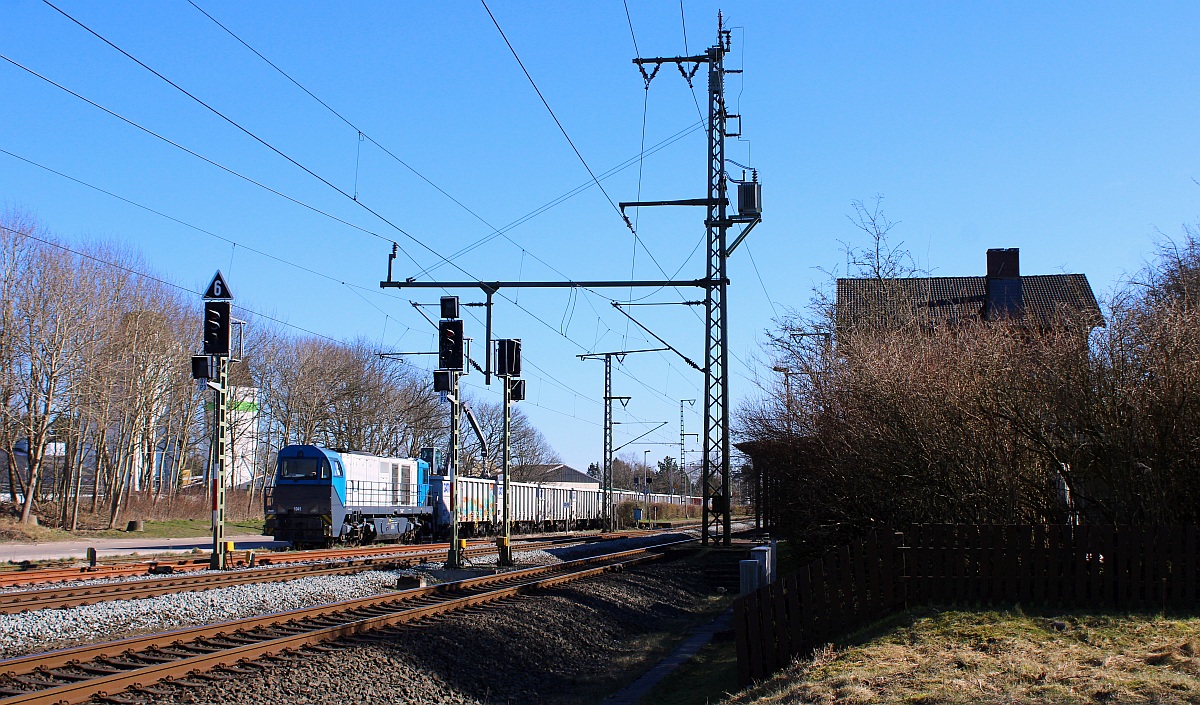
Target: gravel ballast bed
column 46, row 630
column 571, row 644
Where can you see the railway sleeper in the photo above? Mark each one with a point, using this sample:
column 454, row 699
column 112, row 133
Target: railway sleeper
column 66, row 675
column 149, row 690
column 38, row 683
column 186, row 683
column 180, row 652
column 120, row 700
column 237, row 670
column 121, row 664
column 242, row 638
column 325, row 648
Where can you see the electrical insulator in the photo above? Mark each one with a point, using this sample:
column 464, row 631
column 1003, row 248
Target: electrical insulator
column 450, row 345
column 216, row 327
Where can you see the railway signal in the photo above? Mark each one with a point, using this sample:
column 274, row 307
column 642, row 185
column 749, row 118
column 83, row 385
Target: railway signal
column 451, row 365
column 216, row 327
column 215, row 332
column 508, row 357
column 508, row 367
column 450, row 344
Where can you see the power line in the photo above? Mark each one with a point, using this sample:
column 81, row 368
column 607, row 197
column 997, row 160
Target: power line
column 203, row 158
column 357, row 290
column 258, row 139
column 276, row 192
column 561, row 129
column 496, row 231
column 362, row 134
column 231, row 171
column 151, row 277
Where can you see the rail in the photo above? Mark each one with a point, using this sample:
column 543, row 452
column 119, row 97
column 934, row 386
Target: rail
column 77, row 674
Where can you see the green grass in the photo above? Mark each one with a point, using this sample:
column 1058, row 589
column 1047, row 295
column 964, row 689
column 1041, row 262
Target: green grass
column 709, row 677
column 176, row 529
column 167, row 529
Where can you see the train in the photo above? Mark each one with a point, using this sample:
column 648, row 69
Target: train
column 323, row 496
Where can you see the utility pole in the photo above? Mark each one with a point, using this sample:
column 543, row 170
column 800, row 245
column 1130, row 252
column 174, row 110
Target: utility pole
column 451, row 365
column 683, row 438
column 716, row 446
column 608, row 511
column 454, row 556
column 508, row 369
column 217, row 324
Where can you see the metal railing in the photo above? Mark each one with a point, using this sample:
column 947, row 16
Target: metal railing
column 363, row 493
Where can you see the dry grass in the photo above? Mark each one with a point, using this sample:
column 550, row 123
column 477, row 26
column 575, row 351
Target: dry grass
column 1009, row 657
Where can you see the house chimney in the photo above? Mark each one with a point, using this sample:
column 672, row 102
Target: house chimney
column 1003, row 283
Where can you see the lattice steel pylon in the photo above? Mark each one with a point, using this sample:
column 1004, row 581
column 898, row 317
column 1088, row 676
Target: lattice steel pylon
column 716, row 513
column 715, row 440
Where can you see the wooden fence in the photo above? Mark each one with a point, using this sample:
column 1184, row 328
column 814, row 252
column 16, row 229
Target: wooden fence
column 1113, row 567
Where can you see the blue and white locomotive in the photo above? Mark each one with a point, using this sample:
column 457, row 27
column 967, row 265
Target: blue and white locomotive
column 323, row 496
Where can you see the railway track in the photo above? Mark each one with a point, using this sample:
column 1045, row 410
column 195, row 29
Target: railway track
column 19, row 576
column 230, row 649
column 54, row 598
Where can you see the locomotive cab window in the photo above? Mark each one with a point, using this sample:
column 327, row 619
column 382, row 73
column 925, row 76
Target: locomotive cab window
column 303, row 468
column 337, row 469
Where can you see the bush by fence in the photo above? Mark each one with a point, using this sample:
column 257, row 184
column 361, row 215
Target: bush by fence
column 1122, row 567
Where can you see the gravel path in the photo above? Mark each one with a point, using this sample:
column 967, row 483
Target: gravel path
column 570, row 645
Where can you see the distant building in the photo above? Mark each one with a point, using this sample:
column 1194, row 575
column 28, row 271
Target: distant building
column 1042, row 300
column 559, row 474
column 244, row 423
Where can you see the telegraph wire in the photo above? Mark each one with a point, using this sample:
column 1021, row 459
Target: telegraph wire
column 234, row 243
column 361, row 134
column 356, row 289
column 238, row 125
column 266, row 144
column 637, row 212
column 151, row 277
column 258, row 314
column 250, row 180
column 561, row 385
column 501, row 232
column 323, row 180
column 205, row 159
column 235, row 173
column 763, row 284
column 561, row 129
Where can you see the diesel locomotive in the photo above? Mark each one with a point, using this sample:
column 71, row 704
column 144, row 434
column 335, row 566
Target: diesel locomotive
column 324, row 496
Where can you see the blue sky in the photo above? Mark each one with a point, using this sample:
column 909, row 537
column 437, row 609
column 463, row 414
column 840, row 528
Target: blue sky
column 1065, row 129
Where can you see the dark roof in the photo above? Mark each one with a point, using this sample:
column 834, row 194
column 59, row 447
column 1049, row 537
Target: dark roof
column 558, row 472
column 938, row 300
